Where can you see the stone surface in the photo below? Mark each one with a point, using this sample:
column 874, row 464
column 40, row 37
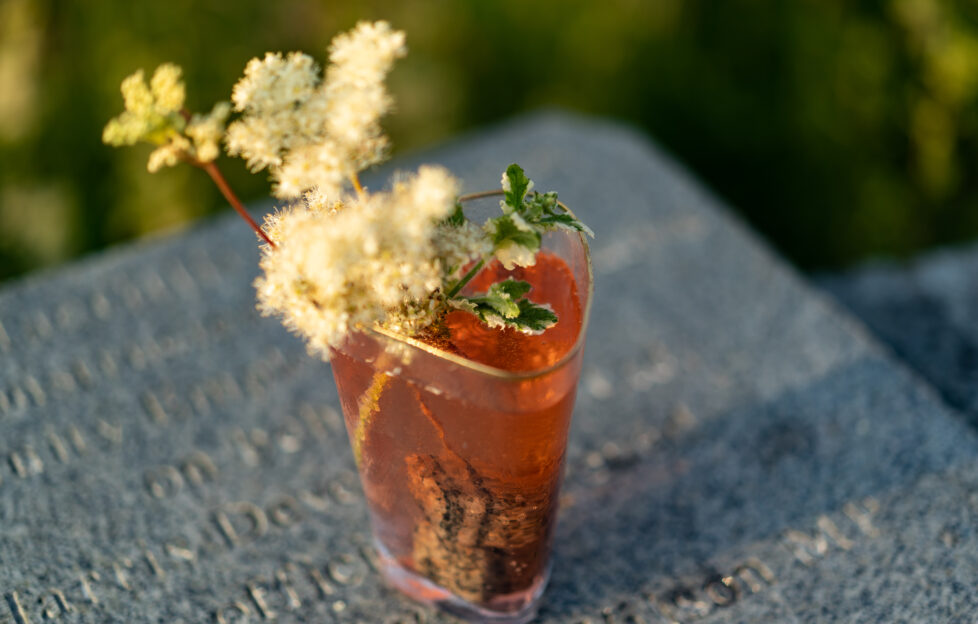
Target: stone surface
column 926, row 311
column 742, row 450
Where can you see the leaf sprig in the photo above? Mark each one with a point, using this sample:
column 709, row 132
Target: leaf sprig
column 518, row 233
column 505, row 305
column 516, row 238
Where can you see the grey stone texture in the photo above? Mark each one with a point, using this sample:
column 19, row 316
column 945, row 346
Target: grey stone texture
column 742, row 451
column 926, row 311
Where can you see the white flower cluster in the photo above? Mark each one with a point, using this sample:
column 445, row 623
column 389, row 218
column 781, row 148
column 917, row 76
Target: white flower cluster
column 153, row 114
column 311, row 133
column 375, row 260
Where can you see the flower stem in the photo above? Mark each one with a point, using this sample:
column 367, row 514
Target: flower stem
column 355, row 179
column 460, row 284
column 222, row 185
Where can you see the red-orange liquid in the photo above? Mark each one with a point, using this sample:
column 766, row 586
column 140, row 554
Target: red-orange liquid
column 463, row 489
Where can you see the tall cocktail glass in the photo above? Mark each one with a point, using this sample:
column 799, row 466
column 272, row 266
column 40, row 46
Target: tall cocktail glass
column 460, row 445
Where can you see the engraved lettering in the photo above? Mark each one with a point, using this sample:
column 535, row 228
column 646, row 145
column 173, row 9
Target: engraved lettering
column 324, row 586
column 57, row 445
column 285, row 512
column 755, row 574
column 290, row 442
column 315, row 501
column 153, row 285
column 230, row 386
column 224, row 616
column 153, row 564
column 100, row 306
column 77, row 440
column 121, row 576
column 314, row 424
column 722, row 590
column 54, row 604
column 863, row 514
column 624, row 613
column 83, row 374
column 26, row 462
column 154, row 409
column 182, row 280
column 107, row 363
column 163, row 481
column 86, row 587
column 341, row 493
column 20, row 615
column 246, row 449
column 35, row 390
column 257, row 595
column 286, row 588
column 199, row 400
column 70, row 314
column 110, row 432
column 42, row 325
column 180, row 549
column 199, row 468
column 809, row 547
column 18, row 398
column 682, row 602
column 251, row 514
column 347, row 570
column 64, row 381
column 370, row 556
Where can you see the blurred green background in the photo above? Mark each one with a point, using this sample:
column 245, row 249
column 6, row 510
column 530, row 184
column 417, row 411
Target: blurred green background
column 839, row 129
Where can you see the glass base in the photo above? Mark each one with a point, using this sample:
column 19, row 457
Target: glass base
column 516, row 608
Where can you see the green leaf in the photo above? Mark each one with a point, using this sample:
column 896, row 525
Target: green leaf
column 566, row 220
column 516, row 289
column 457, row 218
column 505, row 305
column 502, row 298
column 505, row 230
column 534, row 317
column 519, row 184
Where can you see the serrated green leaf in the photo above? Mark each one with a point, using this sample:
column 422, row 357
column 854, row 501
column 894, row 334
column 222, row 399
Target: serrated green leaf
column 500, row 298
column 505, row 230
column 534, row 317
column 505, row 305
column 566, row 220
column 516, row 289
column 519, row 184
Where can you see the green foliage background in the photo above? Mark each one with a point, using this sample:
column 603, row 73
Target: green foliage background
column 839, row 129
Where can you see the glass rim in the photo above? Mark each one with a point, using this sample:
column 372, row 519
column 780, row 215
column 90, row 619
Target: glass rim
column 493, row 371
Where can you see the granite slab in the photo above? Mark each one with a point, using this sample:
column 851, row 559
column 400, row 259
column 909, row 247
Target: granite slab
column 925, row 310
column 742, row 449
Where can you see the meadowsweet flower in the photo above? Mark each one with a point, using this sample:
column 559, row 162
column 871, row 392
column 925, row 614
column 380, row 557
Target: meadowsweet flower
column 167, row 89
column 312, row 133
column 154, row 114
column 151, row 112
column 458, row 246
column 373, row 261
column 206, row 131
column 169, row 154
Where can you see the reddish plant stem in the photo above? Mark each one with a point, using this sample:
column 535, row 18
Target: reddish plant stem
column 229, row 195
column 225, row 188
